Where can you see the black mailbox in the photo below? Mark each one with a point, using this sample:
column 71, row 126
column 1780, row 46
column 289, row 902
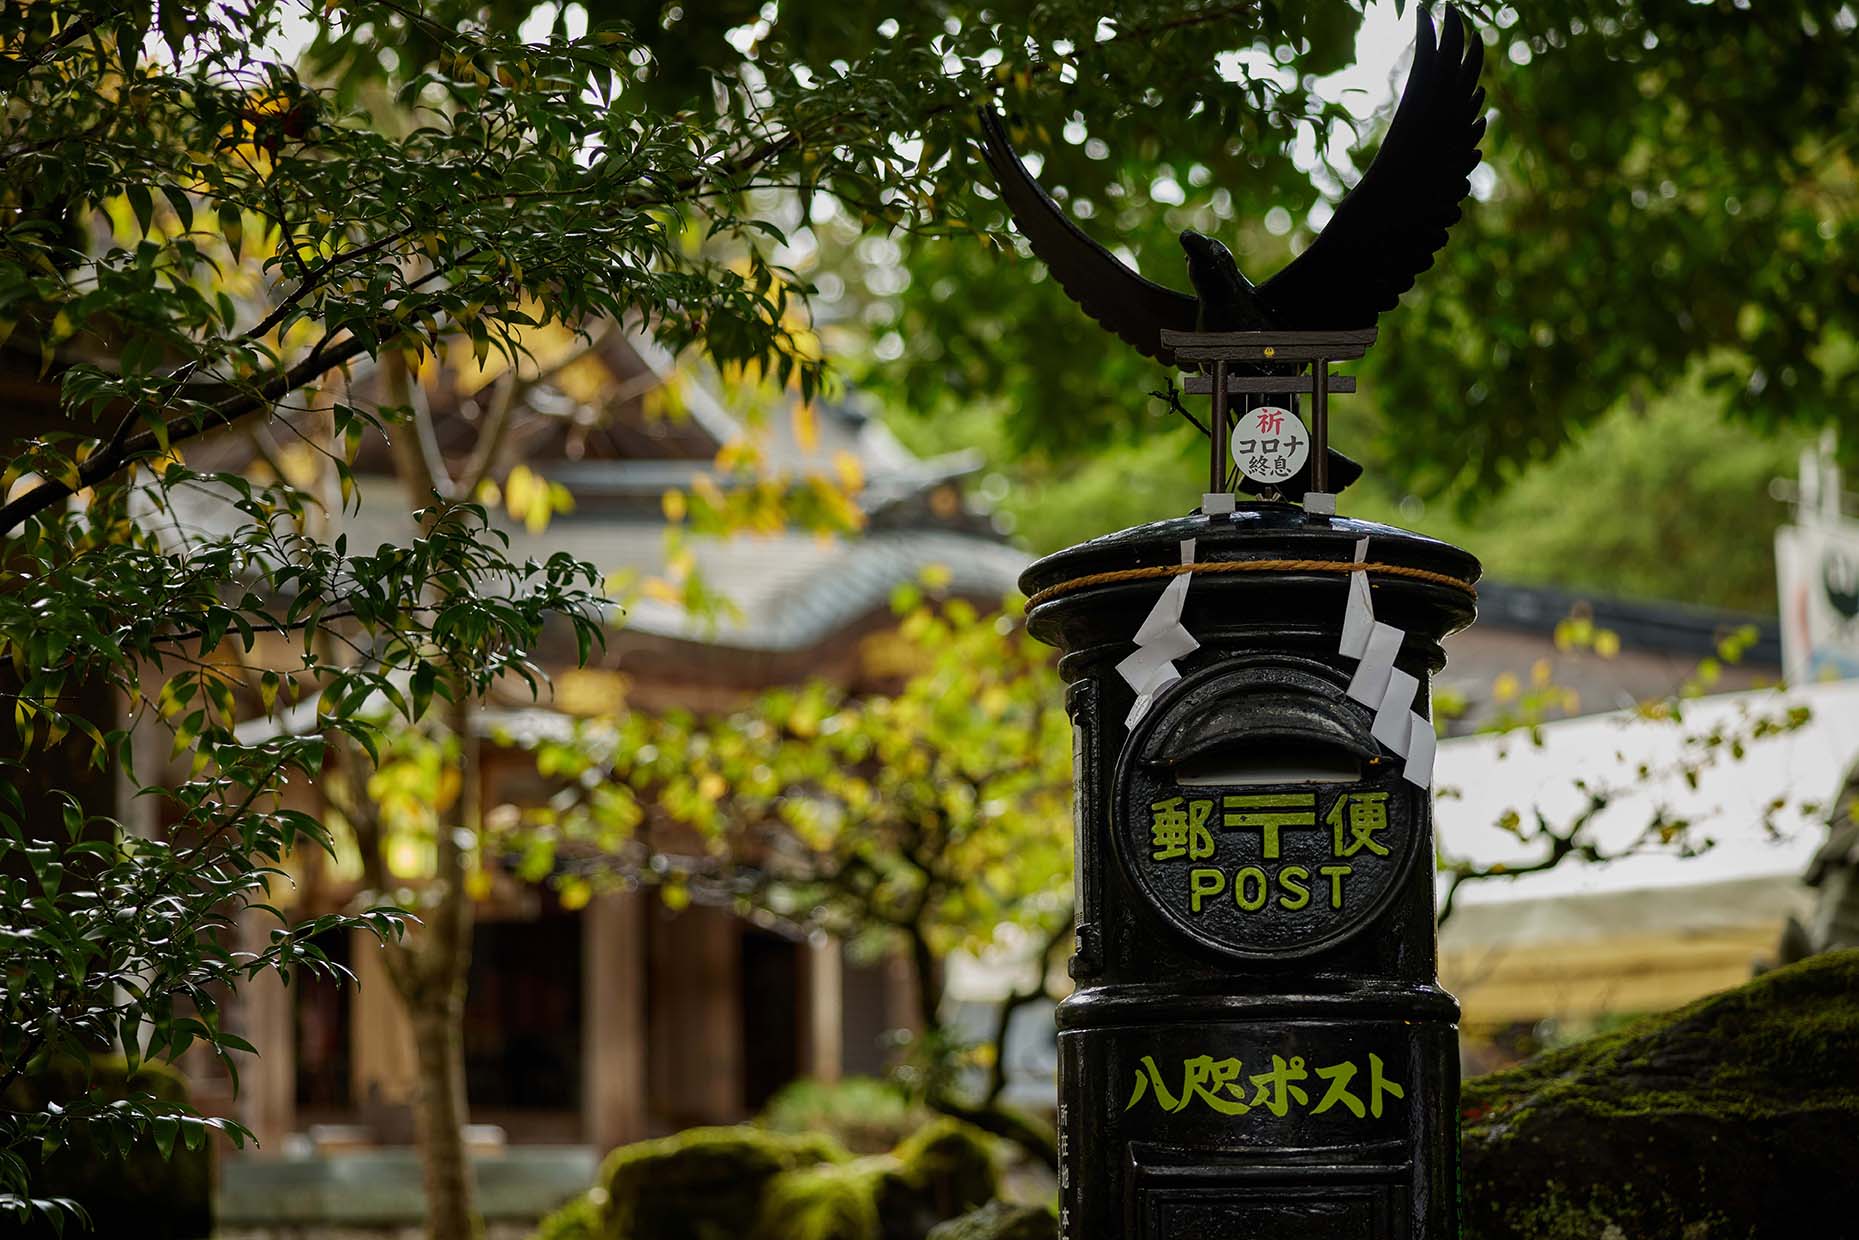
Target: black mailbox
column 1258, row 1044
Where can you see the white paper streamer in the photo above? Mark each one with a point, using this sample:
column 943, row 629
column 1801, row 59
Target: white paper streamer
column 1393, row 721
column 1422, row 745
column 1370, row 683
column 1160, row 640
column 1166, row 614
column 1172, row 643
column 1165, row 675
column 1141, row 664
column 1379, row 684
column 1359, row 612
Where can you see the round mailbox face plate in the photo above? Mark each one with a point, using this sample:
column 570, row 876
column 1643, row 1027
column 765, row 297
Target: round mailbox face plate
column 1263, row 845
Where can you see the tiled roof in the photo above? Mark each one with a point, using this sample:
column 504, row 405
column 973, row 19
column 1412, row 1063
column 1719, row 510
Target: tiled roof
column 791, row 591
column 797, row 593
column 1662, row 626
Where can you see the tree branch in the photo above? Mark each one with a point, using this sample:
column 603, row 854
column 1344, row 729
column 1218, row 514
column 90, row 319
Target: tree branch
column 116, row 455
column 1001, row 1121
column 1019, row 998
column 121, row 451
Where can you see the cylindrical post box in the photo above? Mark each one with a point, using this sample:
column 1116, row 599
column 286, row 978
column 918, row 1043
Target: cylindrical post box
column 1258, row 1044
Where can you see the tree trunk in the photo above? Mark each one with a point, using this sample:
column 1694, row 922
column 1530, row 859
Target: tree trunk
column 430, row 975
column 926, row 972
column 1037, row 1139
column 434, row 991
column 439, row 1116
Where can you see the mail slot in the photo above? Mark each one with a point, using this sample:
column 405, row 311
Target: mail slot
column 1258, row 1043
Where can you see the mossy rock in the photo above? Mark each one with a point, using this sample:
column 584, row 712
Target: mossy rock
column 703, row 1184
column 831, row 1201
column 935, row 1174
column 1000, row 1220
column 1732, row 1117
column 579, row 1219
column 731, row 1183
column 865, row 1114
column 144, row 1195
column 943, row 1170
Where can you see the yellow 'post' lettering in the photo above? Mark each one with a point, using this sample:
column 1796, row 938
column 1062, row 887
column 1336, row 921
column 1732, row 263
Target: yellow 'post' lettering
column 1203, row 883
column 1295, row 895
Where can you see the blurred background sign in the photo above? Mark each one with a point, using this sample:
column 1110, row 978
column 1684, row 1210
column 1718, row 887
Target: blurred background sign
column 1817, row 576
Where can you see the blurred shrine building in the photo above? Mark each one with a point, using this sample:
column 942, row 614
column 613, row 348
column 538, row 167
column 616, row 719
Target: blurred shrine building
column 592, row 1026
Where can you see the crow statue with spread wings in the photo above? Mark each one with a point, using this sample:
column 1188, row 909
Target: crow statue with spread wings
column 1382, row 234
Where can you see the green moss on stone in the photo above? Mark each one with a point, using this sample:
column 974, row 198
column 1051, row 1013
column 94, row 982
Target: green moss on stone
column 747, row 1182
column 579, row 1219
column 939, row 1172
column 865, row 1114
column 1746, row 1053
column 1728, row 1117
column 702, row 1184
column 950, row 1164
column 826, row 1202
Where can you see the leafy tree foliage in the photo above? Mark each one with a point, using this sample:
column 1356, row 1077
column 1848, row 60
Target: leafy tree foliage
column 932, row 819
column 1665, row 744
column 201, row 229
column 1674, row 189
column 1667, row 193
column 1661, row 501
column 194, row 235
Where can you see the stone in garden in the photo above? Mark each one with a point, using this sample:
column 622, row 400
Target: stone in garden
column 1732, row 1117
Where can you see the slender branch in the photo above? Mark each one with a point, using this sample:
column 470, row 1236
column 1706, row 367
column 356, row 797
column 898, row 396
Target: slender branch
column 999, row 1121
column 1019, row 998
column 114, row 456
column 266, row 447
column 1171, row 396
column 417, row 459
column 316, row 278
column 74, row 29
column 1561, row 845
column 492, row 435
column 20, row 1061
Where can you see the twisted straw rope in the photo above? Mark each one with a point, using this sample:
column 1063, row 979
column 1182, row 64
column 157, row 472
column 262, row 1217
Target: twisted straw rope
column 1246, row 566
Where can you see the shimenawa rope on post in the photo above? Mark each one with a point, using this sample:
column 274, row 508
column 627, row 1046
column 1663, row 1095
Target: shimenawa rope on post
column 1247, row 566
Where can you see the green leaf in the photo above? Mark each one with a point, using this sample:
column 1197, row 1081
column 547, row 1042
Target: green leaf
column 182, row 203
column 165, row 1129
column 422, row 685
column 232, row 228
column 130, row 1031
column 142, row 204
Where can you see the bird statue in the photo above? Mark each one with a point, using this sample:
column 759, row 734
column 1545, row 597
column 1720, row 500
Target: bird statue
column 1382, row 234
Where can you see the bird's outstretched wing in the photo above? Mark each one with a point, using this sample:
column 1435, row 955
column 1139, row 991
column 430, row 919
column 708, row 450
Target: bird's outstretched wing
column 1120, row 299
column 1386, row 230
